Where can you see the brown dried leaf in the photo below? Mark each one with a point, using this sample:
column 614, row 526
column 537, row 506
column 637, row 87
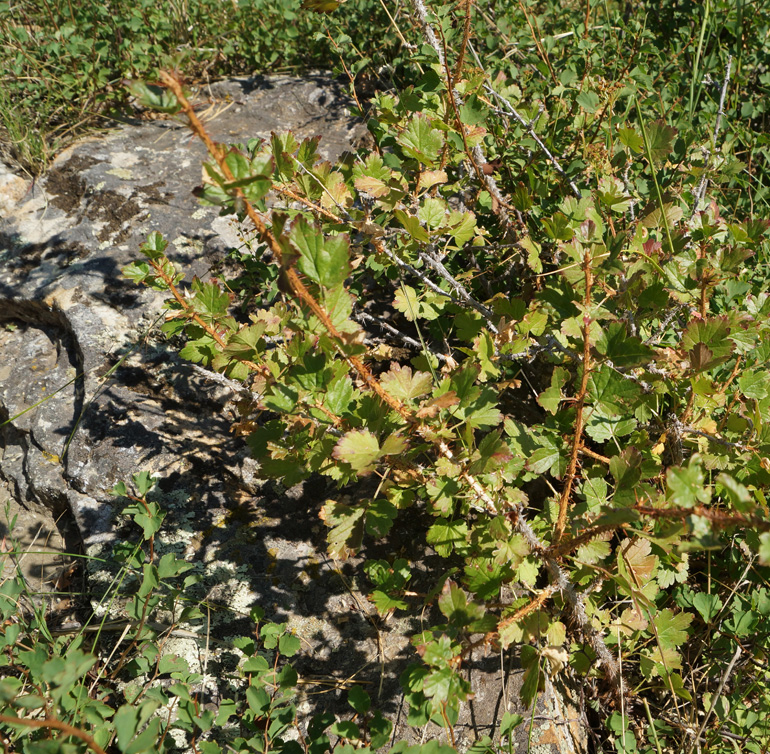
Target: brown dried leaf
column 434, row 405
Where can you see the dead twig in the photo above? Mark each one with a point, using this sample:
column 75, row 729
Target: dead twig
column 701, row 190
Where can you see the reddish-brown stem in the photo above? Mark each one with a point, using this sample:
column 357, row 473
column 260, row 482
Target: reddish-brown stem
column 456, row 111
column 140, row 500
column 295, row 283
column 580, row 399
column 538, row 44
column 54, row 724
column 515, row 617
column 198, row 321
column 593, row 454
column 466, row 36
column 312, row 207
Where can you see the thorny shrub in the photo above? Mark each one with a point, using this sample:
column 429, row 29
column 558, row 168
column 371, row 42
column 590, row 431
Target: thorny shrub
column 575, row 386
column 576, row 392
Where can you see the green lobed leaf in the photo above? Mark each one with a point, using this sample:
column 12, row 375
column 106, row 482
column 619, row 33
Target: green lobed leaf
column 671, row 628
column 374, row 177
column 660, row 138
column 359, row 700
column 444, row 536
column 359, row 448
column 708, row 605
column 454, row 604
column 324, row 259
column 155, row 97
column 631, row 139
column 686, row 484
column 421, row 141
column 550, row 398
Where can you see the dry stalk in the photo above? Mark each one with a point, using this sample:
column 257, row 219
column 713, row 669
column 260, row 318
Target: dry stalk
column 715, row 699
column 701, row 190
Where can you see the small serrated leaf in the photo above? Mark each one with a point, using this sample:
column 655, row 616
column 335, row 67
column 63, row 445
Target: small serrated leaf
column 323, row 259
column 359, row 448
column 404, row 384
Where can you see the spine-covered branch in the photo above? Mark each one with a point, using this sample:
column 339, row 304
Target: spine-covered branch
column 577, row 440
column 476, row 155
column 298, row 288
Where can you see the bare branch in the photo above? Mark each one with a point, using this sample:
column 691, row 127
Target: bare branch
column 508, row 109
column 431, row 261
column 701, row 190
column 381, row 247
column 403, row 337
column 237, row 387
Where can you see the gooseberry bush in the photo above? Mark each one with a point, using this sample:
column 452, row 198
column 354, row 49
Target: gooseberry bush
column 565, row 367
column 561, row 364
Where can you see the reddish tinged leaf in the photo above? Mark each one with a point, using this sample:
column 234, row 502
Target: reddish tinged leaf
column 359, row 448
column 639, row 560
column 430, row 178
column 434, row 405
column 404, row 384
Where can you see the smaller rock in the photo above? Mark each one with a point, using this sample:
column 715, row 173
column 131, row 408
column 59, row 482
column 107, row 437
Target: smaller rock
column 13, row 188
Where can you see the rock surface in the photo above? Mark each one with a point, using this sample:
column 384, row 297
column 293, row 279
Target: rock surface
column 90, row 395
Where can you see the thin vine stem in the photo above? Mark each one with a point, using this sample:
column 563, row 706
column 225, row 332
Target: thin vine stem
column 54, row 724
